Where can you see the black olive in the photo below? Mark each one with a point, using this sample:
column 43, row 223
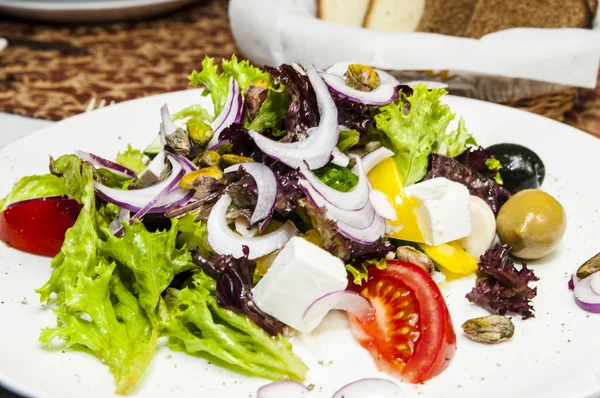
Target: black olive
column 521, row 167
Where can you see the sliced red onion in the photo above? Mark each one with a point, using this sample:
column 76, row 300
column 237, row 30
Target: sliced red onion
column 242, row 227
column 232, row 113
column 361, row 218
column 148, row 206
column 367, row 235
column 372, row 159
column 344, row 300
column 340, row 69
column 218, row 145
column 382, row 95
column 283, row 389
column 187, row 164
column 370, row 388
column 354, row 199
column 382, row 205
column 117, row 223
column 224, row 241
column 339, row 158
column 266, row 184
column 100, row 162
column 137, row 199
column 586, row 293
column 316, row 149
column 571, row 283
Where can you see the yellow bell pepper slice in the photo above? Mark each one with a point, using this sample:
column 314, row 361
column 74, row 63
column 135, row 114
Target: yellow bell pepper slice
column 387, row 178
column 453, row 260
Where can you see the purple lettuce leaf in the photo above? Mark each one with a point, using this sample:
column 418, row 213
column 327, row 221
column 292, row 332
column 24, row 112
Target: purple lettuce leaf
column 242, row 144
column 443, row 166
column 303, row 112
column 500, row 288
column 354, row 115
column 234, row 278
column 475, row 159
column 244, row 192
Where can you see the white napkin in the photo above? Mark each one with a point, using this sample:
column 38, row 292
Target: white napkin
column 283, row 31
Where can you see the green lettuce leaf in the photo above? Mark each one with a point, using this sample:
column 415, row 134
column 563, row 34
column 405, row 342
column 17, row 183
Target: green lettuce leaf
column 196, row 111
column 94, row 309
column 348, row 139
column 494, row 164
column 272, row 112
column 198, row 325
column 33, row 187
column 192, row 234
column 456, row 142
column 243, row 72
column 150, row 258
column 78, row 255
column 360, row 273
column 339, row 178
column 114, row 327
column 418, row 133
column 217, row 85
column 132, row 159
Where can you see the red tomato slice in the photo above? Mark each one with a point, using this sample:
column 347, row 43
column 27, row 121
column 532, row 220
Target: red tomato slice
column 411, row 335
column 38, row 226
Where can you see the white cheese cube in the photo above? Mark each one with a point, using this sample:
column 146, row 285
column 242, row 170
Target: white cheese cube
column 301, row 273
column 443, row 213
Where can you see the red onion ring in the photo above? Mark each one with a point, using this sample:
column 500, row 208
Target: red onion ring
column 339, row 158
column 354, row 199
column 344, row 300
column 361, row 218
column 365, row 235
column 224, row 241
column 382, row 95
column 102, row 163
column 316, row 149
column 266, row 184
column 232, row 112
column 370, row 388
column 586, row 293
column 138, row 199
column 282, row 389
column 382, row 205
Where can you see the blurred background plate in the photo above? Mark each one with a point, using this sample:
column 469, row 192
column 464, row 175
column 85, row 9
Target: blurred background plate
column 87, row 11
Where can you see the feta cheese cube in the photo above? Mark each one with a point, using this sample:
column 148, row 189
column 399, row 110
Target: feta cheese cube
column 443, row 213
column 301, row 273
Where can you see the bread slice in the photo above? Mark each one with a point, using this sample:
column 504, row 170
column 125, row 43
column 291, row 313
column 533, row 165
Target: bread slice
column 494, row 15
column 394, row 15
column 344, row 12
column 446, row 17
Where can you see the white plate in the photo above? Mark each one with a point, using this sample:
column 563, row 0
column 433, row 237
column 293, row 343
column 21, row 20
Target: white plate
column 552, row 355
column 87, row 11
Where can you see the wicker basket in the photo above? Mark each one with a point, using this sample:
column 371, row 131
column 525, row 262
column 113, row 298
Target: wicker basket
column 553, row 106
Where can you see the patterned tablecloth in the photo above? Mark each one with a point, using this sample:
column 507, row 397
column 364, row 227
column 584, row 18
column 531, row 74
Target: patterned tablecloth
column 136, row 59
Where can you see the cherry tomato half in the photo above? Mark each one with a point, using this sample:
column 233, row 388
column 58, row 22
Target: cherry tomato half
column 38, row 226
column 411, row 335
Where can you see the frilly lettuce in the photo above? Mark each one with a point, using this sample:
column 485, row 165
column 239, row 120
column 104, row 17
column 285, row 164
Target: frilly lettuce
column 152, row 259
column 32, row 187
column 93, row 308
column 132, row 159
column 197, row 324
column 416, row 126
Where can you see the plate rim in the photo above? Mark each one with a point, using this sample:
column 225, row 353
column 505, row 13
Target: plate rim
column 82, row 6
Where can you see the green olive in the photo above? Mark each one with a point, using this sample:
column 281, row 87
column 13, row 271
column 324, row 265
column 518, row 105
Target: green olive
column 532, row 222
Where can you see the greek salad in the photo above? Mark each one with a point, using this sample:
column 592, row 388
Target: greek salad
column 302, row 191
